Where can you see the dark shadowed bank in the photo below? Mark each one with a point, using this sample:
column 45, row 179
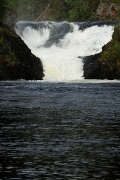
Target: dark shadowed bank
column 105, row 65
column 92, row 67
column 16, row 59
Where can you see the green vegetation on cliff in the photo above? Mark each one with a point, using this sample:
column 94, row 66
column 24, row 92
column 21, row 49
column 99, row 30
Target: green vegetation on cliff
column 110, row 57
column 81, row 10
column 8, row 58
column 16, row 59
column 70, row 10
column 58, row 10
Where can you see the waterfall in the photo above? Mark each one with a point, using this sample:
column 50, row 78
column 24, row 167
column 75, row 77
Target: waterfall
column 61, row 45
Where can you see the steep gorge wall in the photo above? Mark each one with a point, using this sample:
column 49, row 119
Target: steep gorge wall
column 16, row 59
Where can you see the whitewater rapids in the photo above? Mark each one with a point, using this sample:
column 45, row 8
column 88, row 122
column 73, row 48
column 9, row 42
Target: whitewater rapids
column 61, row 46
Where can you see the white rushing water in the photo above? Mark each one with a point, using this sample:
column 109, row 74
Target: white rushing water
column 61, row 61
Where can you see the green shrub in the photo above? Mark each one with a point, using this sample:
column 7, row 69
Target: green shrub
column 116, row 34
column 110, row 58
column 58, row 10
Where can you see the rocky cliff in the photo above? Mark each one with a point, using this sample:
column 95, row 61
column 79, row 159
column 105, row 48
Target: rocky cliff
column 16, row 59
column 108, row 11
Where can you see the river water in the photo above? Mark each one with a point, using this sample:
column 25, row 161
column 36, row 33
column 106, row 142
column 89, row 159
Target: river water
column 57, row 131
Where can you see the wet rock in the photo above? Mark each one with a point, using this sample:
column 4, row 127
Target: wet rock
column 92, row 67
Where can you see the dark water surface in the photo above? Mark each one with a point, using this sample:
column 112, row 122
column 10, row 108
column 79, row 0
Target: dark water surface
column 57, row 131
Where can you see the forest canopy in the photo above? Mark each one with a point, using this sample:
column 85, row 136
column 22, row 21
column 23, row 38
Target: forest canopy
column 69, row 10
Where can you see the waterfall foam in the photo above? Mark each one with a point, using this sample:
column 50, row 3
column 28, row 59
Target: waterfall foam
column 60, row 46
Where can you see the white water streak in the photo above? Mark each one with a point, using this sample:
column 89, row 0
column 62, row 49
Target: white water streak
column 61, row 63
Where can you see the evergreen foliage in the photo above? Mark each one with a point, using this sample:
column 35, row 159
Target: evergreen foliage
column 58, row 10
column 77, row 9
column 81, row 10
column 70, row 10
column 16, row 60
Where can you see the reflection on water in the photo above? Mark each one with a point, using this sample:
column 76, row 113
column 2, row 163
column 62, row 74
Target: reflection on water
column 59, row 131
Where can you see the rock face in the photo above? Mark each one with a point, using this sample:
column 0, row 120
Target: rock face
column 10, row 18
column 107, row 10
column 16, row 59
column 92, row 67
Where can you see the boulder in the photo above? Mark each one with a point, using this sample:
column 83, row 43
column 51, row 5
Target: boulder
column 92, row 67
